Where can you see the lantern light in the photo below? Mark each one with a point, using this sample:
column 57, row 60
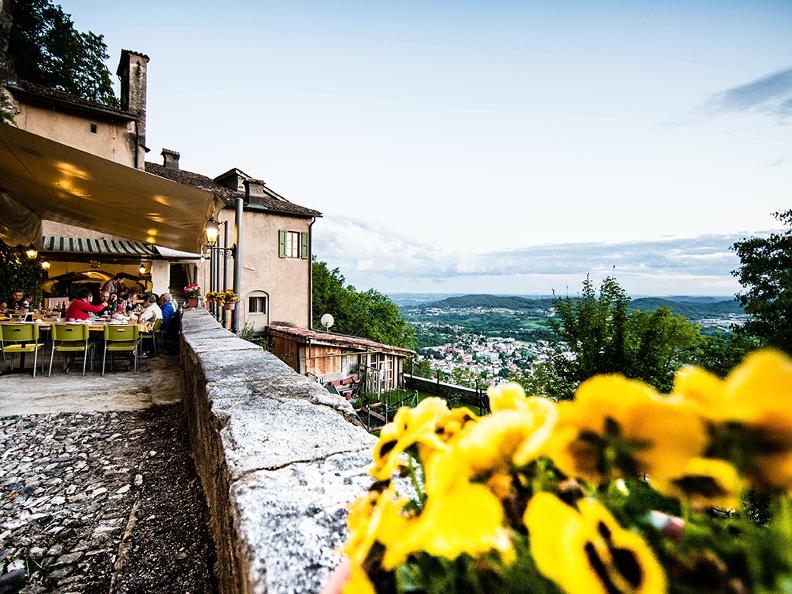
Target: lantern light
column 212, row 231
column 142, row 269
column 31, row 253
column 45, row 264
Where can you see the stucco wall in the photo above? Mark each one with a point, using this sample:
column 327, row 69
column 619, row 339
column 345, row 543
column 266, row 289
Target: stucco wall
column 279, row 460
column 111, row 140
column 285, row 280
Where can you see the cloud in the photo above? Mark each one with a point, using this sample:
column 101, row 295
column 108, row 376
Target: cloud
column 367, row 252
column 770, row 94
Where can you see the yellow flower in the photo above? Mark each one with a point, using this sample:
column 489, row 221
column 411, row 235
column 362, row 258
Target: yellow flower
column 755, row 395
column 359, row 582
column 506, row 396
column 467, row 520
column 587, row 551
column 705, row 482
column 410, row 426
column 508, row 436
column 623, row 426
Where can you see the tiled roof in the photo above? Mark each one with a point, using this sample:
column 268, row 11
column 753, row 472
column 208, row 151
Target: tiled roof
column 67, row 99
column 305, row 335
column 273, row 203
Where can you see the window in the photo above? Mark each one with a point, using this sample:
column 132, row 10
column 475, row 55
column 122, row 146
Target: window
column 93, row 128
column 293, row 244
column 257, row 304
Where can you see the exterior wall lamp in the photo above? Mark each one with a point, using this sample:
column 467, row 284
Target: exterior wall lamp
column 212, row 231
column 31, row 253
column 45, row 264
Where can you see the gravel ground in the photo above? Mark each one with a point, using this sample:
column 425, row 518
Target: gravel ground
column 101, row 502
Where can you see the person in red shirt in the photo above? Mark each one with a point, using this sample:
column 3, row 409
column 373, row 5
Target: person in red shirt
column 79, row 308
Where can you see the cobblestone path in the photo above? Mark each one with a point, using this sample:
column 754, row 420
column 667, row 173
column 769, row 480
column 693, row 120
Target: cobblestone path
column 101, row 502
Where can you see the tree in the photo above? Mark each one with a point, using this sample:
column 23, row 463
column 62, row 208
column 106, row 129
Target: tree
column 598, row 334
column 368, row 314
column 723, row 351
column 45, row 48
column 765, row 273
column 19, row 272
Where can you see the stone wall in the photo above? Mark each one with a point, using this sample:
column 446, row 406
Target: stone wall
column 468, row 396
column 279, row 459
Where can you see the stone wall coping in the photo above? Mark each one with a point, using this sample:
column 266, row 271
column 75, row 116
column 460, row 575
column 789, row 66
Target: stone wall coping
column 279, row 458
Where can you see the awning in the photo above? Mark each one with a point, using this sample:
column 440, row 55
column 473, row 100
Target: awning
column 67, row 185
column 84, row 245
column 56, row 244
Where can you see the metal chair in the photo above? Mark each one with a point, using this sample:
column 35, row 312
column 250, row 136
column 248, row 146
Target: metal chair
column 23, row 338
column 121, row 339
column 73, row 338
column 154, row 335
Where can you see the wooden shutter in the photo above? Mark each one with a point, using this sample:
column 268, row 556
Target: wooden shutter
column 281, row 243
column 304, row 245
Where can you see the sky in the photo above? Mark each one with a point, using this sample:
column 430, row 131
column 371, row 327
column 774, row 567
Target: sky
column 505, row 147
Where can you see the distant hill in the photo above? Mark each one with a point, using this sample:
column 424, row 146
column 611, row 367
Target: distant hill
column 505, row 301
column 694, row 310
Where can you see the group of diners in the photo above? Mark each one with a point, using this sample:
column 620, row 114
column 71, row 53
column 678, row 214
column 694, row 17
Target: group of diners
column 113, row 298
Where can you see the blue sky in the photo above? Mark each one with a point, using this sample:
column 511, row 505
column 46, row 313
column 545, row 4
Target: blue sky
column 498, row 146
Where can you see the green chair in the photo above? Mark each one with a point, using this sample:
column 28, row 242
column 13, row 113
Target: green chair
column 21, row 339
column 73, row 338
column 153, row 335
column 120, row 339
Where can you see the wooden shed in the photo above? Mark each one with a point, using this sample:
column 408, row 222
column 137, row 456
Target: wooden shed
column 339, row 359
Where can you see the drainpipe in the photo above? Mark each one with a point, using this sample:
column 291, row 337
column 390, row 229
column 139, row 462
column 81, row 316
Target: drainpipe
column 310, row 273
column 238, row 258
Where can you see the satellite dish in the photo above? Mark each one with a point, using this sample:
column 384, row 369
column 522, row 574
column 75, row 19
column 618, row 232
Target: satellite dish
column 327, row 321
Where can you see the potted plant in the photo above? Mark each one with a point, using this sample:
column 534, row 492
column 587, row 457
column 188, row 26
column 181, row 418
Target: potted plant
column 210, row 297
column 193, row 294
column 229, row 299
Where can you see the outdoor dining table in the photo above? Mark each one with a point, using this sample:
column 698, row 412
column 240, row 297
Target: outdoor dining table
column 93, row 326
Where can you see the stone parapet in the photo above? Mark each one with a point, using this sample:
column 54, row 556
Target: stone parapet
column 279, row 459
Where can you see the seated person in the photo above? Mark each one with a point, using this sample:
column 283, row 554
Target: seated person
column 152, row 311
column 17, row 301
column 167, row 309
column 29, row 299
column 3, row 306
column 131, row 301
column 81, row 307
column 107, row 300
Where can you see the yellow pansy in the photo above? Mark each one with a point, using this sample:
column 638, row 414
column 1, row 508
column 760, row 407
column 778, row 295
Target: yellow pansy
column 587, row 551
column 410, row 426
column 508, row 436
column 755, row 395
column 623, row 426
column 506, row 396
column 705, row 482
column 467, row 520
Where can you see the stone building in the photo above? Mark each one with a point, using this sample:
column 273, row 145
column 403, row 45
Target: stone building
column 275, row 284
column 276, row 260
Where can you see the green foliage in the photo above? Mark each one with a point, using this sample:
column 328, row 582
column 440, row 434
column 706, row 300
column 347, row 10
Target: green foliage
column 45, row 48
column 368, row 314
column 723, row 351
column 19, row 272
column 599, row 334
column 765, row 273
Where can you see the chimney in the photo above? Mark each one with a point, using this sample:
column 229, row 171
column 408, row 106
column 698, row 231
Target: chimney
column 254, row 188
column 132, row 70
column 170, row 159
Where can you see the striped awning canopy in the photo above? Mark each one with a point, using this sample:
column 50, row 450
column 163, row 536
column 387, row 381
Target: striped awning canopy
column 84, row 245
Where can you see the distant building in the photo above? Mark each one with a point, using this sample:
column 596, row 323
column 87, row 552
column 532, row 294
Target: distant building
column 338, row 359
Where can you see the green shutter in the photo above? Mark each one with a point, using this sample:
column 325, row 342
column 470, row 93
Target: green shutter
column 304, row 245
column 281, row 244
